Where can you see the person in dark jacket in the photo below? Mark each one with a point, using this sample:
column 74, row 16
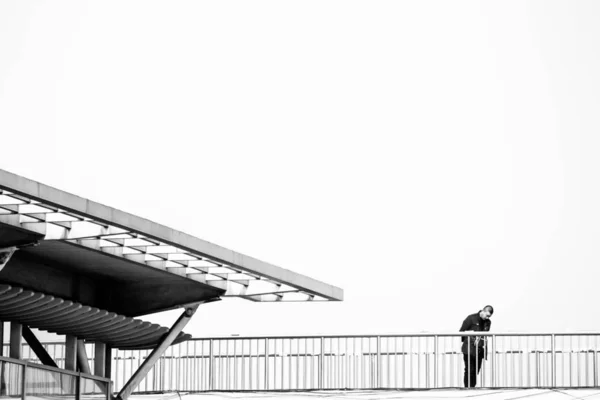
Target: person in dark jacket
column 474, row 348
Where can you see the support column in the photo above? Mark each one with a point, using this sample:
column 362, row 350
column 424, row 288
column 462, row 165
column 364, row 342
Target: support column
column 1, row 338
column 71, row 353
column 147, row 365
column 2, row 382
column 108, row 365
column 37, row 347
column 99, row 359
column 15, row 340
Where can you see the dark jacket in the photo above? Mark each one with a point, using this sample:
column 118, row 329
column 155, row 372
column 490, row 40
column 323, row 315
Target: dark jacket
column 476, row 324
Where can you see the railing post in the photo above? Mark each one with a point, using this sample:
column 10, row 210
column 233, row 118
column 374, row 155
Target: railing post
column 379, row 368
column 493, row 361
column 435, row 362
column 267, row 364
column 211, row 359
column 24, row 382
column 595, row 368
column 78, row 386
column 321, row 360
column 16, row 336
column 553, row 361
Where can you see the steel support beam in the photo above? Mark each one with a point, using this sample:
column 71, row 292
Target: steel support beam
column 37, row 347
column 147, row 365
column 15, row 340
column 82, row 358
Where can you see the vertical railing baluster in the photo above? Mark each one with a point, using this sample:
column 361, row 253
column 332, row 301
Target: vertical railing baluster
column 596, row 361
column 298, row 362
column 521, row 365
column 355, row 365
column 250, row 380
column 321, row 372
column 435, row 362
column 289, row 363
column 304, row 364
column 266, row 363
column 274, row 363
column 553, row 366
column 243, row 365
column 396, row 362
column 378, row 374
column 493, row 361
column 211, row 367
column 418, row 361
column 595, row 349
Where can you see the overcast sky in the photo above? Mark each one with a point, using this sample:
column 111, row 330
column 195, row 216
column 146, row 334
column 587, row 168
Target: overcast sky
column 429, row 157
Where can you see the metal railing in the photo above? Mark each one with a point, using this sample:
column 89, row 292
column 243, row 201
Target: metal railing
column 361, row 362
column 22, row 379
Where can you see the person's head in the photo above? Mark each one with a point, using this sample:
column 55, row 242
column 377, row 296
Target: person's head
column 487, row 312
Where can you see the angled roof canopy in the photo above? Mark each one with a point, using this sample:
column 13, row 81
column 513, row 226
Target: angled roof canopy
column 135, row 255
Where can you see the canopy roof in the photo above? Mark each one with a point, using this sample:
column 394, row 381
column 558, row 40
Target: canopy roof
column 150, row 267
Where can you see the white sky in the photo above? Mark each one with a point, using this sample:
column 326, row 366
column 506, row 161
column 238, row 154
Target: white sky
column 427, row 157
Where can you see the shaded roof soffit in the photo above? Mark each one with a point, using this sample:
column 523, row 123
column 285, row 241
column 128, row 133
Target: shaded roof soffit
column 239, row 275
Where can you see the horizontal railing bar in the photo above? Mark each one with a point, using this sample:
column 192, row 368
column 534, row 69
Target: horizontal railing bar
column 52, row 369
column 316, row 353
column 428, row 334
column 93, row 377
column 13, row 360
column 29, row 364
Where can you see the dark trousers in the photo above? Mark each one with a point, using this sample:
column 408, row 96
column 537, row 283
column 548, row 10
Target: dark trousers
column 472, row 367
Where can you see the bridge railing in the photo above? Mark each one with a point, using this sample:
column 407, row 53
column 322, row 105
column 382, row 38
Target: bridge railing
column 23, row 379
column 361, row 362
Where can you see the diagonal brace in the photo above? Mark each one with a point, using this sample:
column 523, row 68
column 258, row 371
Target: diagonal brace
column 82, row 359
column 37, row 347
column 147, row 365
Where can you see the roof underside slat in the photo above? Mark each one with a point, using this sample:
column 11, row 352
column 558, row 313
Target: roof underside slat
column 64, row 317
